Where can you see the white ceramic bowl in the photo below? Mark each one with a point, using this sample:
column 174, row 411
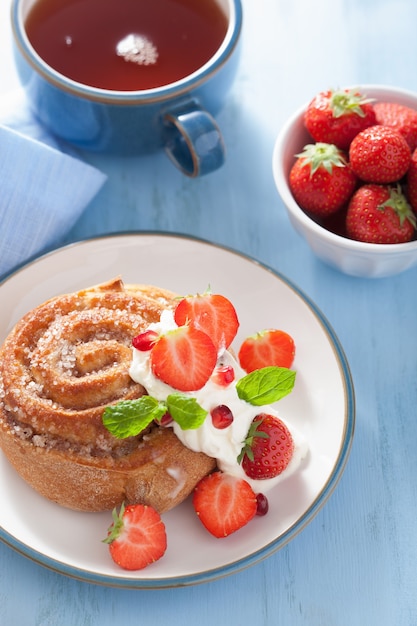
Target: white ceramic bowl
column 351, row 257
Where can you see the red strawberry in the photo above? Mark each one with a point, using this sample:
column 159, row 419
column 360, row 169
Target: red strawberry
column 337, row 116
column 184, row 358
column 212, row 313
column 321, row 180
column 224, row 503
column 401, row 118
column 268, row 347
column 268, row 448
column 412, row 182
column 379, row 154
column 380, row 214
column 136, row 537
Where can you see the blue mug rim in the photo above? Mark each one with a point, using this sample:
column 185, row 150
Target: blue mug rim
column 146, row 96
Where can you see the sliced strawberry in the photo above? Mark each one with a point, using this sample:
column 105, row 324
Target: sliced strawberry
column 212, row 313
column 184, row 358
column 224, row 503
column 137, row 537
column 268, row 347
column 268, row 448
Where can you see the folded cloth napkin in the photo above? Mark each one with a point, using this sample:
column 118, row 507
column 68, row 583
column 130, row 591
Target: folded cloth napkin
column 44, row 186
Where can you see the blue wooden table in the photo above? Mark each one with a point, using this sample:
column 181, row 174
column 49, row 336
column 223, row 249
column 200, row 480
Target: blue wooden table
column 356, row 562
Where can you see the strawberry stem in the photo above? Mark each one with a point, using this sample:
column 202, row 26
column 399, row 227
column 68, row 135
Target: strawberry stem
column 322, row 154
column 253, row 433
column 344, row 101
column 117, row 525
column 398, row 202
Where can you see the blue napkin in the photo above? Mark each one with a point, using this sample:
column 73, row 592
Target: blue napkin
column 44, row 186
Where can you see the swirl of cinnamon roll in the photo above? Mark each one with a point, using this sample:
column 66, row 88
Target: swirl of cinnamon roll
column 61, row 365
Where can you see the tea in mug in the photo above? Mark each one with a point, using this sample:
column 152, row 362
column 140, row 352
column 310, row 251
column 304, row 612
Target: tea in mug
column 126, row 45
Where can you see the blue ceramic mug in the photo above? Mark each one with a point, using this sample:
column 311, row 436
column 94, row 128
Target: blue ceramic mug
column 178, row 116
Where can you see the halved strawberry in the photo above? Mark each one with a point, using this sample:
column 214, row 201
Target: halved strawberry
column 212, row 313
column 137, row 537
column 184, row 358
column 224, row 503
column 268, row 448
column 266, row 348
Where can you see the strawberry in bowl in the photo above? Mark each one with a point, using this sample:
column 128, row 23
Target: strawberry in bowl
column 375, row 129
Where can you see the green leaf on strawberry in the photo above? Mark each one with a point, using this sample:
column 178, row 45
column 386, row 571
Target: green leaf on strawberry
column 343, row 101
column 324, row 155
column 266, row 385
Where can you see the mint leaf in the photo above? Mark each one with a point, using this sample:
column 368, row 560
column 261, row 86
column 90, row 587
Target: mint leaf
column 266, row 385
column 129, row 417
column 186, row 411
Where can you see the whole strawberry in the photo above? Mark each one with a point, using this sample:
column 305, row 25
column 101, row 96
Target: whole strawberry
column 379, row 154
column 268, row 448
column 401, row 118
column 412, row 182
column 321, row 179
column 380, row 214
column 337, row 116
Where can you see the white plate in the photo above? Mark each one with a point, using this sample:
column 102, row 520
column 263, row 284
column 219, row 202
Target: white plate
column 321, row 406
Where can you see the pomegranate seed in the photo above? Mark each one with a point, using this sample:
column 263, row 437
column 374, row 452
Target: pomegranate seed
column 166, row 419
column 145, row 341
column 221, row 416
column 224, row 375
column 262, row 504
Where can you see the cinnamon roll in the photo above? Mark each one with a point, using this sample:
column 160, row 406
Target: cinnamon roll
column 61, row 365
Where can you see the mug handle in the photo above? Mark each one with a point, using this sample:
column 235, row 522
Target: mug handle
column 193, row 141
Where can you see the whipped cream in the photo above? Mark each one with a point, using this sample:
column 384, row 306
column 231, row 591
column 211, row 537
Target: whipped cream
column 226, row 444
